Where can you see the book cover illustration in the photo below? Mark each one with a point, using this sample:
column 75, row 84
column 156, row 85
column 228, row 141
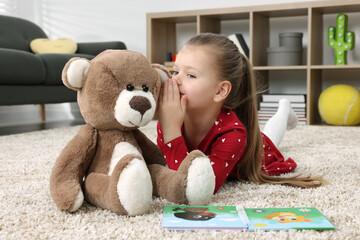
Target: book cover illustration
column 288, row 218
column 238, row 218
column 202, row 217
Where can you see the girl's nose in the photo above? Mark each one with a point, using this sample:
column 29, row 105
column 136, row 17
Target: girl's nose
column 177, row 78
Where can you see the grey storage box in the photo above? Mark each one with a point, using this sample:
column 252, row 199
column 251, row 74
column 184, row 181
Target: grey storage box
column 291, row 39
column 284, row 56
column 289, row 52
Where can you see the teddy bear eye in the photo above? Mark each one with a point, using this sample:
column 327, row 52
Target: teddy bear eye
column 130, row 87
column 145, row 88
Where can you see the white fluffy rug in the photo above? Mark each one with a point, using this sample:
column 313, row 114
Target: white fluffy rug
column 28, row 212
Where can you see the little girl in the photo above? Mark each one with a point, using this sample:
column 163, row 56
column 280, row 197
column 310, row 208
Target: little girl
column 210, row 104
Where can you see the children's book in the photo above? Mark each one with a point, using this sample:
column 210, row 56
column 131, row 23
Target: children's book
column 246, row 219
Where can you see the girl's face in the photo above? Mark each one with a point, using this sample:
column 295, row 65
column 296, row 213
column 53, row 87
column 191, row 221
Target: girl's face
column 196, row 75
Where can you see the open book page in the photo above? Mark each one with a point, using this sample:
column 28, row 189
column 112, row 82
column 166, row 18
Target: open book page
column 288, row 218
column 202, row 217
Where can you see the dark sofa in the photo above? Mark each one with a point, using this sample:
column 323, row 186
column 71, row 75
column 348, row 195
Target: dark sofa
column 28, row 78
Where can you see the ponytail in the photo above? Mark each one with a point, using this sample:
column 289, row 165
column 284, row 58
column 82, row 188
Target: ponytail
column 250, row 166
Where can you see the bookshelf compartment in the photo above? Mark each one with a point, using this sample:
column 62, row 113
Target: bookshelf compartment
column 216, row 23
column 340, row 76
column 279, row 78
column 184, row 31
column 236, row 26
column 164, row 30
column 321, row 53
column 287, row 25
column 278, row 82
column 267, row 25
column 288, row 10
column 353, row 25
column 324, row 77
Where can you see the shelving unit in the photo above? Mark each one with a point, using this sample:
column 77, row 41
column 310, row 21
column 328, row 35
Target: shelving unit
column 161, row 38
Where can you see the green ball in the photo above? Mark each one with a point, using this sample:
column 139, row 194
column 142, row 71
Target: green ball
column 340, row 105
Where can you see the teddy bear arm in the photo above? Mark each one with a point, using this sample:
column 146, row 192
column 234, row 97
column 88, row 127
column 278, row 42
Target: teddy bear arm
column 70, row 168
column 150, row 151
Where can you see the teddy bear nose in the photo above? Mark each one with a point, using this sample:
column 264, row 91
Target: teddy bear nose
column 140, row 104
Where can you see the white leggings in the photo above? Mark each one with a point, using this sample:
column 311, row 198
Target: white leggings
column 284, row 119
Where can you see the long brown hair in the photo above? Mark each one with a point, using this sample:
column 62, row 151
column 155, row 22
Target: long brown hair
column 243, row 100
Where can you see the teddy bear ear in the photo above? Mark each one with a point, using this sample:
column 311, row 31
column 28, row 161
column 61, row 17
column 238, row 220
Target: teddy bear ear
column 163, row 72
column 75, row 72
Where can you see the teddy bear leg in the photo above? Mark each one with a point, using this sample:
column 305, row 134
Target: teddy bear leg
column 128, row 191
column 193, row 183
column 168, row 184
column 68, row 196
column 97, row 192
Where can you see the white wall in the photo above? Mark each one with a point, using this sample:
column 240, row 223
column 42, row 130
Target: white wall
column 106, row 20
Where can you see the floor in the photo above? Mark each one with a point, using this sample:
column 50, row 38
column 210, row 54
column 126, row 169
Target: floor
column 15, row 129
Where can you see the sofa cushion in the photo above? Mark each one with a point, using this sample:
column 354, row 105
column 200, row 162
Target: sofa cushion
column 60, row 45
column 54, row 64
column 20, row 68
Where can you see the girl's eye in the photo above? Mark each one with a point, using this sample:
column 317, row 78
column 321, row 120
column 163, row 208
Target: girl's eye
column 191, row 76
column 174, row 72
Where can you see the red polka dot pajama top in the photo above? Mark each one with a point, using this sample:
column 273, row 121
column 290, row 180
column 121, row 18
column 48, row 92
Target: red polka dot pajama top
column 225, row 145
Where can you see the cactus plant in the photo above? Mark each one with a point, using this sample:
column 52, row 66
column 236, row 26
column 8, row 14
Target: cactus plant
column 340, row 39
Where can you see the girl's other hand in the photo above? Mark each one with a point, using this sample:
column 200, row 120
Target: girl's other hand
column 172, row 108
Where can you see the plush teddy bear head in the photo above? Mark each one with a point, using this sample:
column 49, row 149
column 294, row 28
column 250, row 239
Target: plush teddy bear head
column 118, row 89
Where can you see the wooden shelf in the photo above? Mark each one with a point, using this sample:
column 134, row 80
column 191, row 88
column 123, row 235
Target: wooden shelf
column 262, row 68
column 161, row 38
column 305, row 67
column 335, row 67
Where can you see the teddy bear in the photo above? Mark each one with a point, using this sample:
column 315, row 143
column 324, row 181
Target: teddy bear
column 110, row 163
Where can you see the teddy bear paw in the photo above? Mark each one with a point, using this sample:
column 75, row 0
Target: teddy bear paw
column 78, row 202
column 134, row 187
column 200, row 181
